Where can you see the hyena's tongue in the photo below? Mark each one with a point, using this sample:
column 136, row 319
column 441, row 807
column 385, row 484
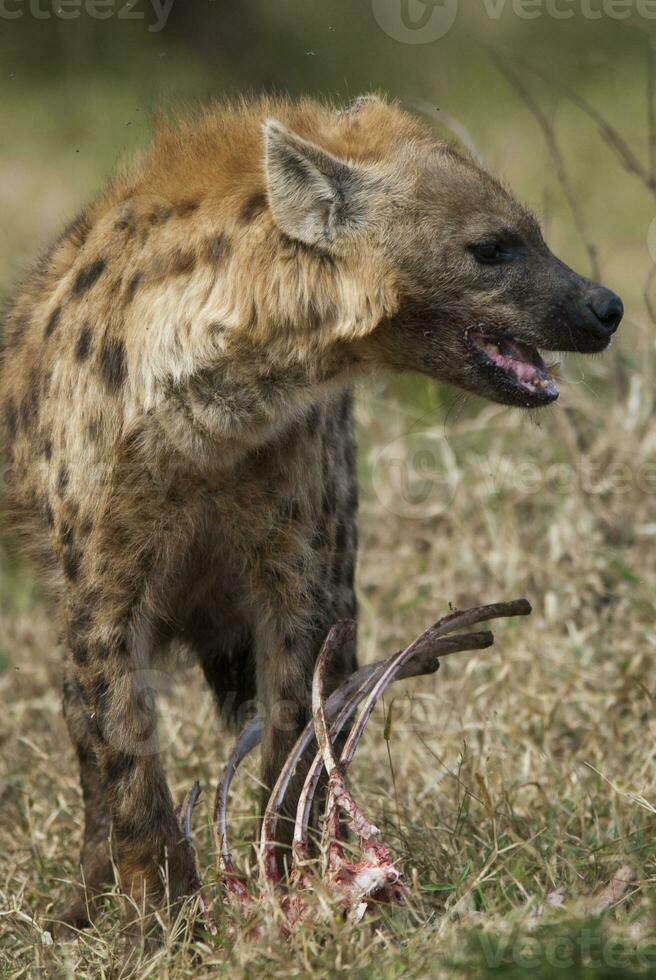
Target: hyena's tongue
column 520, row 361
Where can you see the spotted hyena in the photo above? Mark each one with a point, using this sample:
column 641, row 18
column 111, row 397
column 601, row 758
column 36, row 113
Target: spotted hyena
column 178, row 432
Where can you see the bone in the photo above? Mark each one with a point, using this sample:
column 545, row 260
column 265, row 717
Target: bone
column 393, row 667
column 350, row 692
column 374, row 877
column 227, row 872
column 421, row 657
column 425, row 662
column 186, row 810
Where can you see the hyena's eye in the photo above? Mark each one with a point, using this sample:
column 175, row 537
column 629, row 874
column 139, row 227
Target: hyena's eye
column 491, row 253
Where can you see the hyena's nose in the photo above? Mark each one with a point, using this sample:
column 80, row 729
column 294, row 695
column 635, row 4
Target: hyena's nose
column 606, row 309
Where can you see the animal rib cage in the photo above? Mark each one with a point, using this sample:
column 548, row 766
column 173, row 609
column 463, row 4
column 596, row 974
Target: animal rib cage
column 353, row 885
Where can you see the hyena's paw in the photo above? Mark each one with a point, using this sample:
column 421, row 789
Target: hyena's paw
column 157, row 893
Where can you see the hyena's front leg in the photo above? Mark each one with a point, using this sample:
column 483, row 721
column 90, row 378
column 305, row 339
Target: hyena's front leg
column 95, row 856
column 305, row 579
column 287, row 648
column 284, row 698
column 111, row 669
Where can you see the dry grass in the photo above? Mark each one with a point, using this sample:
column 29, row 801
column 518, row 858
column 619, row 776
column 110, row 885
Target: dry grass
column 521, row 780
column 520, row 772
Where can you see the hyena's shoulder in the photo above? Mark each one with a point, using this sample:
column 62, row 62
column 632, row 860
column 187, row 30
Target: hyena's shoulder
column 184, row 205
column 149, row 288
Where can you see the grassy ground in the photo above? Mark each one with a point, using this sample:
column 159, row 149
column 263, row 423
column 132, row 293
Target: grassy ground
column 517, row 783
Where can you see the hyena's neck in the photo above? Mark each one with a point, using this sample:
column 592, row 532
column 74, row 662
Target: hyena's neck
column 217, row 415
column 224, row 354
column 178, row 293
column 233, row 333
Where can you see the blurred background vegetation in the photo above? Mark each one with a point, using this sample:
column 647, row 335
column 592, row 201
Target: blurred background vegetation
column 80, row 93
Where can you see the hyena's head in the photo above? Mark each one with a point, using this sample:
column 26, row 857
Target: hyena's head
column 476, row 289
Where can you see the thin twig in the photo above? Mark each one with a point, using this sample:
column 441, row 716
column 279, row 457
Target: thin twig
column 651, row 108
column 554, row 151
column 651, row 310
column 609, row 133
column 454, row 126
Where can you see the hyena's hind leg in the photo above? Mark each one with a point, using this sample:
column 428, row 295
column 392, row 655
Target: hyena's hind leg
column 95, row 871
column 228, row 664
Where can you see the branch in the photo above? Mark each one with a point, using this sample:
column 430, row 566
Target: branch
column 557, row 157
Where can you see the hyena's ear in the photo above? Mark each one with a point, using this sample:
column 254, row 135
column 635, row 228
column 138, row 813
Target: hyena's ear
column 314, row 196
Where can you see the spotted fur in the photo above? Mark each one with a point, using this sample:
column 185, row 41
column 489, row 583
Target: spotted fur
column 178, row 424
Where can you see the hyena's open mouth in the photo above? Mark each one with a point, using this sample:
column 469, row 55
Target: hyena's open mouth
column 514, row 367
